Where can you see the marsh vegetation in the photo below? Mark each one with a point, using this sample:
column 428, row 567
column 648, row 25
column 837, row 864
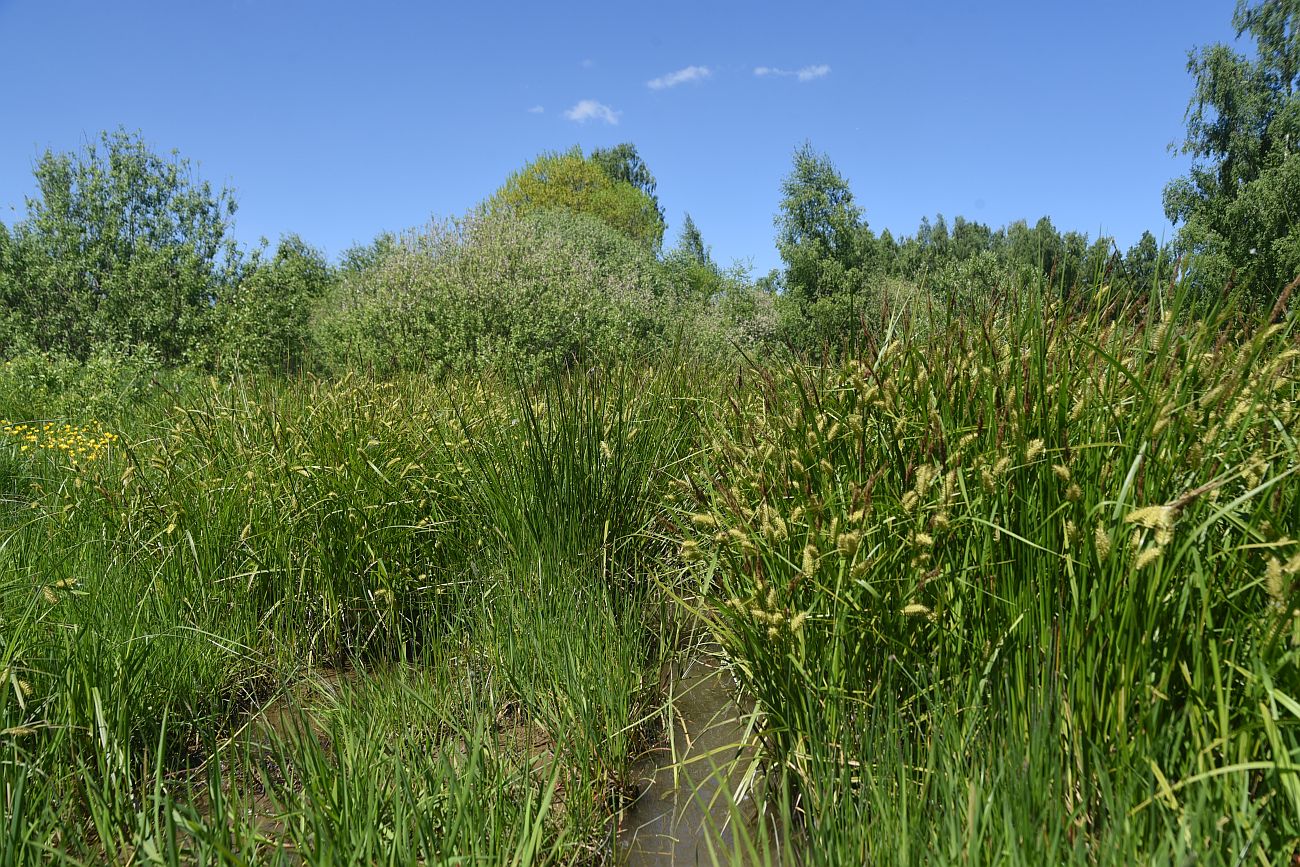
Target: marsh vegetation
column 520, row 539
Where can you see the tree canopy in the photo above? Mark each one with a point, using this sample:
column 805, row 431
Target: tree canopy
column 120, row 245
column 622, row 163
column 569, row 181
column 1237, row 205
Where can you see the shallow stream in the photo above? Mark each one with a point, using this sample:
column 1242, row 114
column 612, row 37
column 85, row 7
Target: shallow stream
column 687, row 786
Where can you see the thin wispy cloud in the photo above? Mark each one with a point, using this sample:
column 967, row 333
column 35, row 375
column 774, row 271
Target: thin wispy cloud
column 681, row 76
column 589, row 109
column 537, row 109
column 806, row 73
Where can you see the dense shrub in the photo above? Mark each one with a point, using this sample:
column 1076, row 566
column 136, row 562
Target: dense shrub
column 40, row 385
column 534, row 290
column 262, row 322
column 739, row 318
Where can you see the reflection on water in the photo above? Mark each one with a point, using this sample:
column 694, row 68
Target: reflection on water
column 687, row 785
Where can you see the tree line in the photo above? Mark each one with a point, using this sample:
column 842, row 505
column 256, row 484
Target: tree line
column 126, row 251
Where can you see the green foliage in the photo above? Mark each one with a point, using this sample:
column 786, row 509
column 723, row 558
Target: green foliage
column 829, row 254
column 969, row 286
column 740, row 315
column 535, row 290
column 120, row 246
column 966, row 269
column 13, row 323
column 622, row 163
column 263, row 318
column 1146, row 268
column 722, row 310
column 691, row 265
column 36, row 385
column 690, row 243
column 826, row 324
column 571, row 182
column 821, row 235
column 358, row 258
column 1030, row 578
column 1243, row 127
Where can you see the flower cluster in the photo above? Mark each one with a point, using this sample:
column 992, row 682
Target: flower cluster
column 77, row 443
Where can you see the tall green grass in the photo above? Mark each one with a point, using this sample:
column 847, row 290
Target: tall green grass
column 1019, row 590
column 246, row 537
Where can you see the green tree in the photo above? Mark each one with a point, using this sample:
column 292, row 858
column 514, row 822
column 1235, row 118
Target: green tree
column 691, row 267
column 888, row 249
column 819, row 228
column 1145, row 263
column 12, row 329
column 623, row 163
column 1236, row 206
column 690, row 243
column 970, row 238
column 829, row 254
column 360, row 257
column 264, row 318
column 120, row 246
column 571, row 182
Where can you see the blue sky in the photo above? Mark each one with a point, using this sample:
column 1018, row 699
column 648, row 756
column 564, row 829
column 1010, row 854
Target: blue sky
column 339, row 120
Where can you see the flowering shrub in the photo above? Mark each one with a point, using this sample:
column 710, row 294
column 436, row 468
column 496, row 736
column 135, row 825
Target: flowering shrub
column 533, row 291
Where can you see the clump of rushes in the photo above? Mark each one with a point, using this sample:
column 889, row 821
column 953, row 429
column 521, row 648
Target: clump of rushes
column 486, row 552
column 1061, row 533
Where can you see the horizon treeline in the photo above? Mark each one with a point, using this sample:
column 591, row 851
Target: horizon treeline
column 126, row 253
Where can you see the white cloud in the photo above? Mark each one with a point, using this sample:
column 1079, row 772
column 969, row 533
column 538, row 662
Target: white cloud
column 681, row 76
column 589, row 109
column 537, row 109
column 807, row 73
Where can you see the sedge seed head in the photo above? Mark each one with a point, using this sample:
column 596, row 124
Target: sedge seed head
column 1273, row 580
column 809, row 560
column 1101, row 540
column 1148, row 556
column 1034, row 451
column 1153, row 517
